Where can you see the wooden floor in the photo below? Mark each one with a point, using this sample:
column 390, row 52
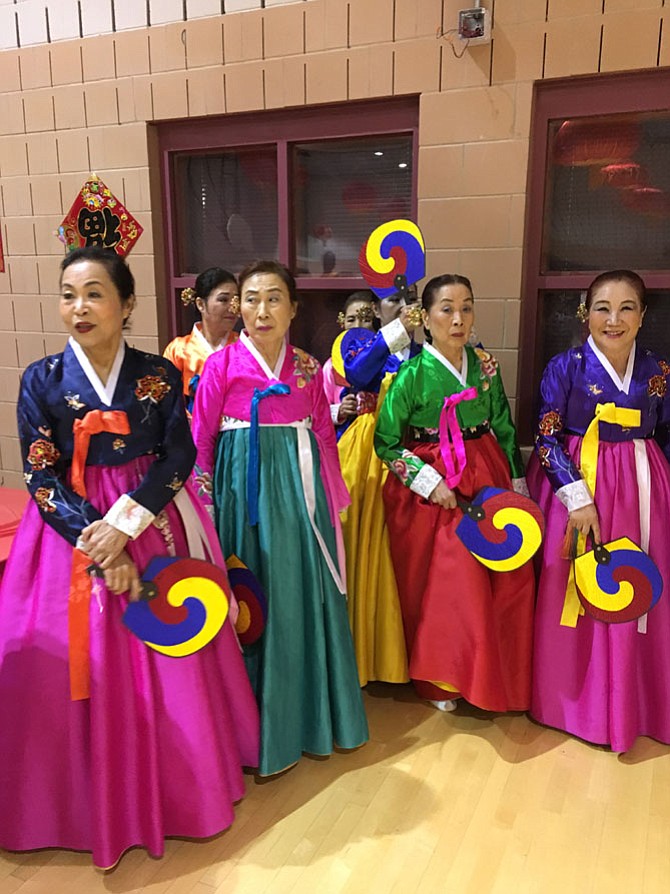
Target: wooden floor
column 435, row 803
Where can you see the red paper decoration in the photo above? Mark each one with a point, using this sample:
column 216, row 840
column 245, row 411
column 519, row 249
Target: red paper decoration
column 97, row 217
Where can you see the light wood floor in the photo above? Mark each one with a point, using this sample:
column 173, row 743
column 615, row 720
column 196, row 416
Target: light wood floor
column 435, row 803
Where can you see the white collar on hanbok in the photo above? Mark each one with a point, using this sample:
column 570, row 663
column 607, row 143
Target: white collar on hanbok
column 260, row 360
column 198, row 335
column 461, row 376
column 104, row 392
column 621, row 384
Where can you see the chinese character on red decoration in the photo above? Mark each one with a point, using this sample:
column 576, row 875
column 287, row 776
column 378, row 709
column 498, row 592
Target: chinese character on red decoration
column 97, row 217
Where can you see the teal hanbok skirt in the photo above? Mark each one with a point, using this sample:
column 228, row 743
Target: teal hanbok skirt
column 303, row 668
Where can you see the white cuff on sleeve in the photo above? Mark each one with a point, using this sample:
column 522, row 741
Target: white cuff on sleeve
column 395, row 335
column 574, row 495
column 519, row 486
column 334, row 412
column 128, row 516
column 427, row 479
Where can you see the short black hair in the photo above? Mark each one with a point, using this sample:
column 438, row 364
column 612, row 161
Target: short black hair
column 360, row 295
column 209, row 279
column 270, row 267
column 634, row 280
column 116, row 267
column 434, row 285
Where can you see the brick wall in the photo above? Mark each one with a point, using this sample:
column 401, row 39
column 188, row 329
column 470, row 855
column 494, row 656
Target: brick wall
column 68, row 107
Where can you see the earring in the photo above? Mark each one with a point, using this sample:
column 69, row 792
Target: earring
column 473, row 339
column 234, row 305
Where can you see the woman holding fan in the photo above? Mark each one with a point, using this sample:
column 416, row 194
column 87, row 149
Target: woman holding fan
column 106, row 744
column 468, row 629
column 600, row 472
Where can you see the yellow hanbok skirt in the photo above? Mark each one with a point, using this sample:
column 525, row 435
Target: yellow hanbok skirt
column 373, row 604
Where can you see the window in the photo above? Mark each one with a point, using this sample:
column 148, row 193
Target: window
column 304, row 186
column 599, row 199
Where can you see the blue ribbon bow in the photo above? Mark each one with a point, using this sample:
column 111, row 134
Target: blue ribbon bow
column 192, row 386
column 253, row 465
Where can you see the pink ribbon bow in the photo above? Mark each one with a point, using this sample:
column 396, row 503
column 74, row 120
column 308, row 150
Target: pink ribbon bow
column 452, row 446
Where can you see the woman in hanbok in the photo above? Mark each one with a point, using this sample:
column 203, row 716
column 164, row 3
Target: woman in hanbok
column 106, row 744
column 215, row 296
column 468, row 629
column 604, row 682
column 374, row 610
column 344, row 405
column 266, row 444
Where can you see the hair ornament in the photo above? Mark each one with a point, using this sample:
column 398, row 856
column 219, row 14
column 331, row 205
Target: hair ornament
column 414, row 314
column 582, row 312
column 188, row 296
column 341, row 319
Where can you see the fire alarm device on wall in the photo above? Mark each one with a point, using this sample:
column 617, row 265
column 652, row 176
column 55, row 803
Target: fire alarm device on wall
column 474, row 25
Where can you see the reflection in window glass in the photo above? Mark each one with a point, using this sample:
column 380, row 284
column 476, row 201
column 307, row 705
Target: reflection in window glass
column 227, row 208
column 608, row 193
column 341, row 191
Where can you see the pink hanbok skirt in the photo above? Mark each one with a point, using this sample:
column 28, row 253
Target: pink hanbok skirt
column 158, row 748
column 606, row 683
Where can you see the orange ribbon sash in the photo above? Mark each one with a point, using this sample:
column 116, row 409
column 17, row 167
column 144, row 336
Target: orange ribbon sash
column 79, row 599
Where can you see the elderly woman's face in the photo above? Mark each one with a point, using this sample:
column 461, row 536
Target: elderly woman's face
column 267, row 309
column 615, row 317
column 90, row 305
column 451, row 317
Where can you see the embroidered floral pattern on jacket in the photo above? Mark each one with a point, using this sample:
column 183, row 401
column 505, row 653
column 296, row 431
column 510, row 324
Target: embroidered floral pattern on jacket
column 488, row 362
column 550, row 423
column 119, row 445
column 176, row 483
column 665, row 367
column 305, row 366
column 407, row 467
column 42, row 454
column 543, row 455
column 44, row 499
column 152, row 388
column 657, row 387
column 72, row 400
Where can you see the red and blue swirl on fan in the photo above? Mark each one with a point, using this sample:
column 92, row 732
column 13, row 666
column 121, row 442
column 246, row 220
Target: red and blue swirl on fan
column 393, row 249
column 184, row 605
column 617, row 581
column 502, row 529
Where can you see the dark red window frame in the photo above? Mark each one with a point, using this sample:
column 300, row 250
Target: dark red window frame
column 281, row 127
column 640, row 91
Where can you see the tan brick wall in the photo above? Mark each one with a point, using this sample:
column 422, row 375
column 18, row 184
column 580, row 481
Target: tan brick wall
column 75, row 106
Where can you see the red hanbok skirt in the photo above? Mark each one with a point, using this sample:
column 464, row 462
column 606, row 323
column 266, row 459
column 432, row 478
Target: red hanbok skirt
column 465, row 625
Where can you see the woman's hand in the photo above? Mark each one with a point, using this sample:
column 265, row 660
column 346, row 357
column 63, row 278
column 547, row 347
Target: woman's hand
column 102, row 543
column 585, row 520
column 443, row 496
column 122, row 576
column 348, row 408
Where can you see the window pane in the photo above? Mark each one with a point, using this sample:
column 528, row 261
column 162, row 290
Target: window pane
column 342, row 190
column 607, row 203
column 561, row 330
column 226, row 208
